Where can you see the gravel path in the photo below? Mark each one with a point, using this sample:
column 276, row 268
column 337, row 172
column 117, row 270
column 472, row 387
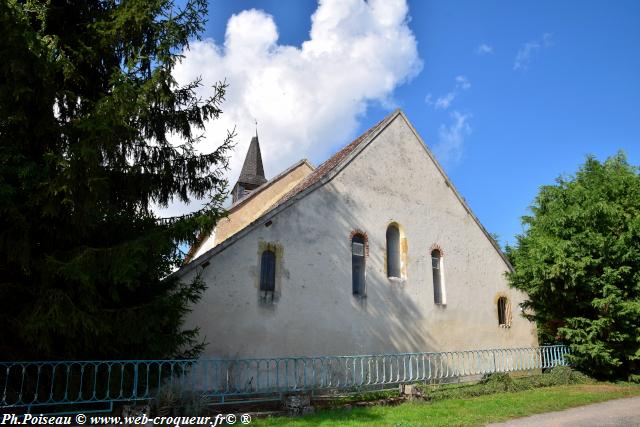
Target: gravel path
column 619, row 412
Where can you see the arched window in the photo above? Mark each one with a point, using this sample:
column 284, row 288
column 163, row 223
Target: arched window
column 393, row 251
column 358, row 264
column 438, row 281
column 267, row 275
column 503, row 312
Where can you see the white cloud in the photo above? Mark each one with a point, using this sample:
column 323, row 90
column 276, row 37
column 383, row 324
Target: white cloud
column 529, row 50
column 462, row 83
column 450, row 143
column 443, row 102
column 484, row 49
column 451, row 137
column 428, row 99
column 523, row 57
column 308, row 99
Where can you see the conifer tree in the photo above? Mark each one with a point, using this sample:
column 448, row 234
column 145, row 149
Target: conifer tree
column 88, row 113
column 579, row 263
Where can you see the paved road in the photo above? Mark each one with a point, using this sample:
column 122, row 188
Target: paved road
column 619, row 412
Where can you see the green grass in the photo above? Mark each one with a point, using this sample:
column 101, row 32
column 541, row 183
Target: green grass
column 500, row 382
column 464, row 411
column 363, row 397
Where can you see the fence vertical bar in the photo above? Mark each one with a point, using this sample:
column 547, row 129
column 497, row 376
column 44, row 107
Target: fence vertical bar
column 245, row 377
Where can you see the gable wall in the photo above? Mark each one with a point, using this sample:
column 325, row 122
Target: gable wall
column 392, row 179
column 253, row 208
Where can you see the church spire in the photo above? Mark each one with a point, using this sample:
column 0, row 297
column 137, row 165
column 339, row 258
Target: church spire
column 252, row 174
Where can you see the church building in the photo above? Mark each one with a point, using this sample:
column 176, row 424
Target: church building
column 374, row 251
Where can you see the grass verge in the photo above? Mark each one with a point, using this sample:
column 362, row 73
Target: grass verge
column 466, row 411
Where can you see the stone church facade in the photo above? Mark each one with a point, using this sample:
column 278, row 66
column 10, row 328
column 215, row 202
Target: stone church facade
column 374, row 251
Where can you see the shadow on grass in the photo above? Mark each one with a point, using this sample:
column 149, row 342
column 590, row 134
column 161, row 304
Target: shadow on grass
column 439, row 403
column 463, row 411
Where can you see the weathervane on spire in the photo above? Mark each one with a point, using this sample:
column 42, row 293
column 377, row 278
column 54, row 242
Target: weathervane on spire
column 256, row 120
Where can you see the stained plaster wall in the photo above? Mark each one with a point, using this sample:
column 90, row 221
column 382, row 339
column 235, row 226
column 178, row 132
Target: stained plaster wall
column 256, row 205
column 392, row 180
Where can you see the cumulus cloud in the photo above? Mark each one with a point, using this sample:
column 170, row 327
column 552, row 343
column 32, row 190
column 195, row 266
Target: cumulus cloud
column 529, row 50
column 451, row 137
column 443, row 102
column 307, row 100
column 484, row 49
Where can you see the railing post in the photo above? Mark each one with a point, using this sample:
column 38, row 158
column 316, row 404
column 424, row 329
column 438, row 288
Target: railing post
column 135, row 380
column 244, row 377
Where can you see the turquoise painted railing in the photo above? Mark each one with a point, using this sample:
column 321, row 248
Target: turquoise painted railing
column 26, row 386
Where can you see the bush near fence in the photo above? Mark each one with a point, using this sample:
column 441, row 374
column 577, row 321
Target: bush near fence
column 76, row 384
column 503, row 382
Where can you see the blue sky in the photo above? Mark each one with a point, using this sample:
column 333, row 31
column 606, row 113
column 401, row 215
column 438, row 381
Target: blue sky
column 509, row 95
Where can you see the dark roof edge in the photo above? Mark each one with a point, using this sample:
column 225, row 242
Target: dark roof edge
column 327, row 178
column 457, row 194
column 330, row 174
column 268, row 184
column 189, row 259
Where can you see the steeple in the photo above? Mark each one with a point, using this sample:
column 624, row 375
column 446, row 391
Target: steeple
column 252, row 174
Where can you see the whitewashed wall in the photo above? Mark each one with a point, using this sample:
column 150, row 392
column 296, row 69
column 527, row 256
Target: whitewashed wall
column 392, row 179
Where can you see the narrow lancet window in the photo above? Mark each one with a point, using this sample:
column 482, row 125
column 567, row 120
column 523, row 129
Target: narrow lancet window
column 358, row 265
column 503, row 312
column 267, row 275
column 438, row 285
column 393, row 251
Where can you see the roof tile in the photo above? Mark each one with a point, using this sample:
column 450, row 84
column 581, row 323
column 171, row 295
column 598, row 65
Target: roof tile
column 326, row 167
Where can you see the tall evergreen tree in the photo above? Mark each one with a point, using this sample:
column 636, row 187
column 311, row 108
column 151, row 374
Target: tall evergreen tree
column 579, row 262
column 88, row 105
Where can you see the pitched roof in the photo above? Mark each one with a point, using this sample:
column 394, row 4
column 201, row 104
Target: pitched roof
column 326, row 167
column 252, row 169
column 235, row 206
column 335, row 163
column 315, row 176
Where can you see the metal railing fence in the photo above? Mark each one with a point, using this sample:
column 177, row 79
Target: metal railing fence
column 30, row 384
